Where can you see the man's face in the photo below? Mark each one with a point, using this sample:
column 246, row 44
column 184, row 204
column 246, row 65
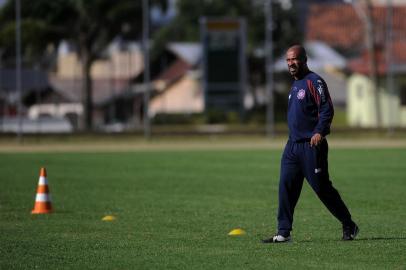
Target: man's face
column 295, row 62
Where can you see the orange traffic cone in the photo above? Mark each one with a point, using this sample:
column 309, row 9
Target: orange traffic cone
column 43, row 198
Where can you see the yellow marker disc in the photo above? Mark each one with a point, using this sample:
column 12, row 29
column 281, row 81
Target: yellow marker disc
column 237, row 232
column 109, row 218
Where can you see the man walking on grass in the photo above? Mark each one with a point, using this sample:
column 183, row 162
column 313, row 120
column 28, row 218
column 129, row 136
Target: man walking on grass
column 310, row 113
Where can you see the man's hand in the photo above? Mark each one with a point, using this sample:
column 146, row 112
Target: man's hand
column 316, row 139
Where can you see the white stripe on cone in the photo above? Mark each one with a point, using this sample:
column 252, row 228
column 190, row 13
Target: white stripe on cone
column 43, row 181
column 43, row 197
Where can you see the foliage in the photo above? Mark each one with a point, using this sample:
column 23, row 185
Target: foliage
column 90, row 25
column 39, row 27
column 91, row 22
column 185, row 26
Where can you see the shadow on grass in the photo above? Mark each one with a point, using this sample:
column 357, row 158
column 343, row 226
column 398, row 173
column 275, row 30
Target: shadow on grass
column 378, row 238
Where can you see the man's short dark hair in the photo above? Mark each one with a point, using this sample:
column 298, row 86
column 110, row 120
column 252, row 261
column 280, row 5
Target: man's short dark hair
column 301, row 51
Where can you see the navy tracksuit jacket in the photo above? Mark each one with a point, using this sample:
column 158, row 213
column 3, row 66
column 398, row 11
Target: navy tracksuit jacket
column 310, row 111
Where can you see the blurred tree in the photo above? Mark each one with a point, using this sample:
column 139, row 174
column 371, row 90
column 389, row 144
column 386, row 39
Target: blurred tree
column 90, row 25
column 185, row 26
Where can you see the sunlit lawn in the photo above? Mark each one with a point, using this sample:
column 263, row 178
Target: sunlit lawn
column 175, row 208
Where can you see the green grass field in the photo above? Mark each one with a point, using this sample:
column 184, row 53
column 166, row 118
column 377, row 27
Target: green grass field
column 175, row 208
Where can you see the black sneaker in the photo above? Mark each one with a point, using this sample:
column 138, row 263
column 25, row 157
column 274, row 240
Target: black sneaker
column 350, row 232
column 277, row 239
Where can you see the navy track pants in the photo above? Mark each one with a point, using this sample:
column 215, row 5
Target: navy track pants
column 299, row 161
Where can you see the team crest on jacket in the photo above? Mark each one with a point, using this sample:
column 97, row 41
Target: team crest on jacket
column 301, row 94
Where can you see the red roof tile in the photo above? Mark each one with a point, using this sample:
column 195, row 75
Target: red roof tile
column 340, row 26
column 337, row 25
column 361, row 64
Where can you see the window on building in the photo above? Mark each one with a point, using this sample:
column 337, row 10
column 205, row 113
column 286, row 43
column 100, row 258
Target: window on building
column 403, row 95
